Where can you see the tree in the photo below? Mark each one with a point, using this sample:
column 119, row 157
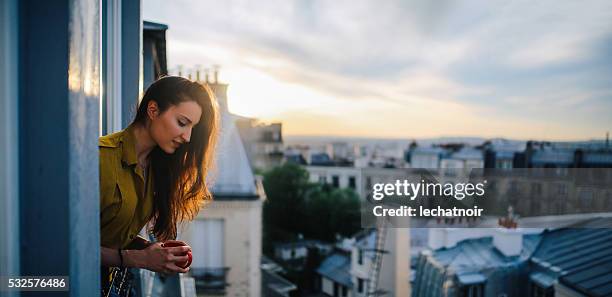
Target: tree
column 295, row 206
column 284, row 210
column 332, row 211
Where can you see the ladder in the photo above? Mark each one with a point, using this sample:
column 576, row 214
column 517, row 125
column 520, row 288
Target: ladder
column 379, row 251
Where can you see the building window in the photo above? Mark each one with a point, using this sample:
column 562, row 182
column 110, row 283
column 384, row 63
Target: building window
column 562, row 189
column 359, row 285
column 336, row 293
column 208, row 244
column 352, row 183
column 360, row 257
column 537, row 291
column 475, row 290
column 292, row 253
column 536, row 189
column 322, row 180
column 335, row 181
column 344, row 291
column 586, row 197
column 514, row 188
column 268, row 136
column 561, row 171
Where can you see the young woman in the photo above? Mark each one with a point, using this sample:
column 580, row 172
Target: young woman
column 153, row 173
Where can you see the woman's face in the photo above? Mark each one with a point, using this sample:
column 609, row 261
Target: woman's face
column 172, row 128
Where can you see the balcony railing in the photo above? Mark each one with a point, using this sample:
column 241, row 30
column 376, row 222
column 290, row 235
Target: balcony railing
column 210, row 280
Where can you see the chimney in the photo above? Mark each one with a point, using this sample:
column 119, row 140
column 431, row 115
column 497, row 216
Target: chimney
column 509, row 242
column 219, row 89
column 216, row 73
column 206, row 70
column 507, row 239
column 436, row 238
column 198, row 73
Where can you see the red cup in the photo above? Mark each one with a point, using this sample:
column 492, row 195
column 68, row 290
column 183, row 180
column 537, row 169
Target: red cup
column 175, row 243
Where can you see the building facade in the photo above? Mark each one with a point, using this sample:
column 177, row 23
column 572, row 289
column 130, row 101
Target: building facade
column 263, row 142
column 226, row 235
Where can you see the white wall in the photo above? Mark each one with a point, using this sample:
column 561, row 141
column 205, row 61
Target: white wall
column 395, row 268
column 327, row 286
column 360, row 270
column 344, row 173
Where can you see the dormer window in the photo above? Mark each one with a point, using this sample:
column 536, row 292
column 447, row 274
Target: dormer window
column 471, row 285
column 360, row 257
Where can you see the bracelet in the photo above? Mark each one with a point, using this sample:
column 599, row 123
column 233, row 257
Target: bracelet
column 120, row 258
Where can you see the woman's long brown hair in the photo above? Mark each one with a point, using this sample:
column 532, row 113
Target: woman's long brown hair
column 179, row 179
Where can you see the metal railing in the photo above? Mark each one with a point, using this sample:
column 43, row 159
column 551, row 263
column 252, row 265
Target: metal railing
column 210, row 280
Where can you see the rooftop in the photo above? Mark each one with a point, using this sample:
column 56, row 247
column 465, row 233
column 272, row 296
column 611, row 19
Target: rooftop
column 336, row 267
column 467, row 154
column 553, row 156
column 233, row 179
column 275, row 285
column 300, row 243
column 147, row 25
column 474, row 254
column 580, row 257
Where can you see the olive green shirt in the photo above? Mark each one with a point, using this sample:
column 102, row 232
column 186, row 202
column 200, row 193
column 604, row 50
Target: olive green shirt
column 126, row 200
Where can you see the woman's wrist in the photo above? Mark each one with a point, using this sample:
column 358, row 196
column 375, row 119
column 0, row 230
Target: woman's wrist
column 133, row 258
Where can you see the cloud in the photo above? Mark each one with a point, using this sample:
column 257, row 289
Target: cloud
column 517, row 59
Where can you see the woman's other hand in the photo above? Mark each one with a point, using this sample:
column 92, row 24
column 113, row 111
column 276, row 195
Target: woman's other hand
column 163, row 259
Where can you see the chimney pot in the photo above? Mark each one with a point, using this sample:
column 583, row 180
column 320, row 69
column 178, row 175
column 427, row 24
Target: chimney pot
column 216, row 73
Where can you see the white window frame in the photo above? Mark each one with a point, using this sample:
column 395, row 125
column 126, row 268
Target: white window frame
column 200, row 230
column 110, row 105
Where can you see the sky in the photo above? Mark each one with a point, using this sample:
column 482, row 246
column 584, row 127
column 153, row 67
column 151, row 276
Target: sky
column 404, row 69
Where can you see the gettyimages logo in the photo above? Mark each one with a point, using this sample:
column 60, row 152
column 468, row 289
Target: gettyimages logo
column 542, row 196
column 413, row 191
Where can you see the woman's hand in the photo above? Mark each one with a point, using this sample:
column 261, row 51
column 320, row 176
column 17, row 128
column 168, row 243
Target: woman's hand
column 163, row 259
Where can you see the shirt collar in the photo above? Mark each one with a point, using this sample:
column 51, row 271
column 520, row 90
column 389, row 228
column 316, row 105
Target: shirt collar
column 129, row 146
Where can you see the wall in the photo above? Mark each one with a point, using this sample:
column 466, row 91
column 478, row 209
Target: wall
column 9, row 149
column 327, row 286
column 59, row 101
column 242, row 244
